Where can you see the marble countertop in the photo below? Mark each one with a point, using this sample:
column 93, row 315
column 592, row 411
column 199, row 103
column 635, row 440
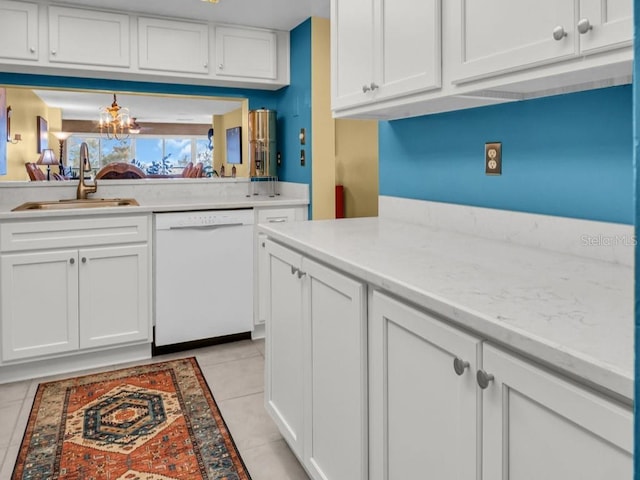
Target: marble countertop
column 571, row 313
column 157, row 205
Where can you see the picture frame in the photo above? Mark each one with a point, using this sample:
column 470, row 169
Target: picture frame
column 43, row 134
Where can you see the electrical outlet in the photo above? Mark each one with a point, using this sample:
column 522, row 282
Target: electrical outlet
column 493, row 158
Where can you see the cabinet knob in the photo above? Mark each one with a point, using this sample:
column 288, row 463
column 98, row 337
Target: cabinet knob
column 220, row 66
column 484, row 379
column 84, row 259
column 373, row 86
column 263, row 244
column 72, row 261
column 460, row 365
column 32, row 50
column 584, row 26
column 365, row 88
column 205, row 65
column 53, row 52
column 300, row 273
column 294, row 270
column 559, row 33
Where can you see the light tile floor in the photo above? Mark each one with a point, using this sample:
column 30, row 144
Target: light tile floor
column 235, row 374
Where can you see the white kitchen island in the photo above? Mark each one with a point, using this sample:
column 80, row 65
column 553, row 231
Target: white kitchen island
column 466, row 357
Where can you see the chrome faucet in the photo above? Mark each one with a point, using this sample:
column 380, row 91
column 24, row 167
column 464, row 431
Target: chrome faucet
column 85, row 166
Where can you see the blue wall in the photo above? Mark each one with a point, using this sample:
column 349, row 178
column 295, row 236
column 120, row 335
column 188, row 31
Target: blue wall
column 294, row 109
column 567, row 155
column 636, row 172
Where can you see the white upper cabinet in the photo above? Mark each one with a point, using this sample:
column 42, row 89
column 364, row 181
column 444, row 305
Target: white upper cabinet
column 500, row 36
column 173, row 46
column 383, row 50
column 244, row 52
column 88, row 37
column 18, row 30
column 352, row 51
column 606, row 24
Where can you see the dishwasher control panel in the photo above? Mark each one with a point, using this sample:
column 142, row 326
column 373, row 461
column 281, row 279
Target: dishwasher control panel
column 203, row 218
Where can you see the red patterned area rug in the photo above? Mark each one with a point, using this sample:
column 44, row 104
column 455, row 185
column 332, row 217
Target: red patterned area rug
column 152, row 422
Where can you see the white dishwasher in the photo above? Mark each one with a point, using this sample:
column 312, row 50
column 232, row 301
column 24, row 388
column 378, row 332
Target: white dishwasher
column 203, row 275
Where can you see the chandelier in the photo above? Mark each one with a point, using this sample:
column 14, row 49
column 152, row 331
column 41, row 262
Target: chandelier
column 114, row 121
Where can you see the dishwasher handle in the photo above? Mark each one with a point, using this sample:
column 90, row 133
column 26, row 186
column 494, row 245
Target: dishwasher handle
column 215, row 226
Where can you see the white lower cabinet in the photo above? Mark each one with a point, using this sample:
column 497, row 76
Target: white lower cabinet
column 423, row 413
column 538, row 425
column 316, row 364
column 502, row 417
column 73, row 285
column 261, row 281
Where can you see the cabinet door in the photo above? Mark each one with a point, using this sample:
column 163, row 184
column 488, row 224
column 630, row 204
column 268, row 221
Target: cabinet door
column 352, row 47
column 335, row 375
column 39, row 299
column 246, row 53
column 498, row 36
column 409, row 48
column 537, row 425
column 88, row 37
column 611, row 22
column 114, row 295
column 18, row 30
column 173, row 46
column 423, row 416
column 283, row 346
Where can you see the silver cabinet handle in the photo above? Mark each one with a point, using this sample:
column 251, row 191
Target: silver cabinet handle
column 32, row 50
column 484, row 379
column 559, row 33
column 220, row 66
column 365, row 88
column 460, row 365
column 584, row 26
column 72, row 261
column 277, row 220
column 374, row 86
column 53, row 52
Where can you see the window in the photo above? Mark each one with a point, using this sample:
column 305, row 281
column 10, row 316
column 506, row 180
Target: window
column 153, row 154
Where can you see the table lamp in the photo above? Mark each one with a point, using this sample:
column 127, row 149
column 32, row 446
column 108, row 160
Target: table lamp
column 48, row 158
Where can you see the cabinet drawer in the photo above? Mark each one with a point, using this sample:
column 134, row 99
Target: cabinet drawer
column 276, row 215
column 34, row 235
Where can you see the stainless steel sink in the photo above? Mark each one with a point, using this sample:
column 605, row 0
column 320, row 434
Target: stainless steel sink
column 74, row 203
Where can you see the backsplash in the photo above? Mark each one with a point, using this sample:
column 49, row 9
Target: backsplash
column 568, row 155
column 156, row 191
column 609, row 242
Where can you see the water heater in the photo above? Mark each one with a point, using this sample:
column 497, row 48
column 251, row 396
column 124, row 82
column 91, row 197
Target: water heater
column 262, row 143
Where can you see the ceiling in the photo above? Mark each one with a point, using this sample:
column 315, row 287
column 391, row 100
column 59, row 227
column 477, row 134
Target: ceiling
column 276, row 14
column 145, row 108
